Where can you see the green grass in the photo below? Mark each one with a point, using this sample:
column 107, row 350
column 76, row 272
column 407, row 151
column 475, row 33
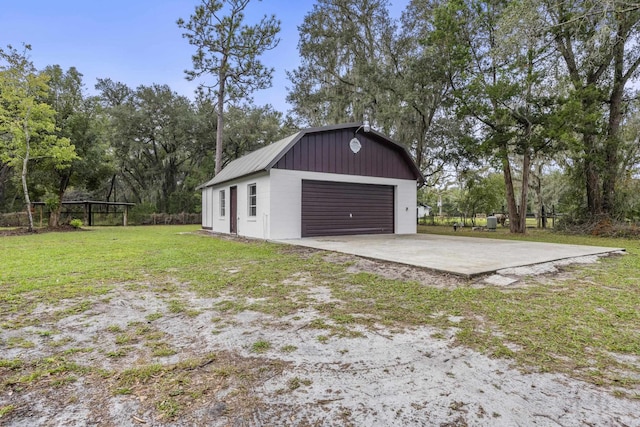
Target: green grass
column 532, row 235
column 295, row 383
column 55, row 370
column 93, row 262
column 19, row 342
column 5, row 410
column 581, row 326
column 260, row 346
column 323, row 339
column 154, row 316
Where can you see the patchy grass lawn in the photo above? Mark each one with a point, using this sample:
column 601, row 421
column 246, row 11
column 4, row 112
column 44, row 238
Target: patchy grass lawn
column 583, row 323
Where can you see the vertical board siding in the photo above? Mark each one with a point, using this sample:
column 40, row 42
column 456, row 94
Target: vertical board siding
column 342, row 208
column 329, row 152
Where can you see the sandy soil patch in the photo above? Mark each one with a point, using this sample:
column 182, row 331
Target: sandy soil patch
column 145, row 355
column 247, row 368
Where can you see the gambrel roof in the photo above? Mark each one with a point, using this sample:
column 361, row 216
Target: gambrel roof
column 265, row 158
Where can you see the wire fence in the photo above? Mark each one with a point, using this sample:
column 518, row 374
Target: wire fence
column 481, row 221
column 110, row 218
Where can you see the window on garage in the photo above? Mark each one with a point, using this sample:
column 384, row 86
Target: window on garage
column 253, row 199
column 223, row 205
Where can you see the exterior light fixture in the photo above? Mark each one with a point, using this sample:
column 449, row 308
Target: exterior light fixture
column 354, row 144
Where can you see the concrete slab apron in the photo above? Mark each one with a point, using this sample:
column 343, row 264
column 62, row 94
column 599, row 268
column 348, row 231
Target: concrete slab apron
column 465, row 256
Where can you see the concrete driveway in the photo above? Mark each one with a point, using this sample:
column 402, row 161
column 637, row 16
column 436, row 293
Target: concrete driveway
column 465, row 256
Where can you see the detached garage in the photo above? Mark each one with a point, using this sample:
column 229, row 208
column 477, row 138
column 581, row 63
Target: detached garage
column 328, row 181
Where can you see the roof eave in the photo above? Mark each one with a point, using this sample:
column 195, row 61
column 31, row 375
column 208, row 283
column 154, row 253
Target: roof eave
column 235, row 178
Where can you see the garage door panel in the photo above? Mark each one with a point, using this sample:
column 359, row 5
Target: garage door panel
column 338, row 208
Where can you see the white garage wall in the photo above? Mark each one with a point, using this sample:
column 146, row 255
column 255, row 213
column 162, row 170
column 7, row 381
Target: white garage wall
column 279, row 211
column 206, row 208
column 286, row 200
column 406, row 205
column 220, row 224
column 257, row 226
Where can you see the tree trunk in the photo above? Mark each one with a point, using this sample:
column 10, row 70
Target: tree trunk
column 220, row 111
column 111, row 190
column 25, row 162
column 592, row 177
column 4, row 174
column 511, row 199
column 540, row 201
column 54, row 215
column 611, row 146
column 111, row 187
column 526, row 166
column 625, row 24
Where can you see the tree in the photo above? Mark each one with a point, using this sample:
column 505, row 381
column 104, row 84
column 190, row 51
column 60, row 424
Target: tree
column 358, row 64
column 229, row 50
column 153, row 138
column 421, row 68
column 499, row 83
column 27, row 123
column 250, row 128
column 79, row 119
column 5, row 184
column 345, row 48
column 480, row 194
column 598, row 43
column 112, row 96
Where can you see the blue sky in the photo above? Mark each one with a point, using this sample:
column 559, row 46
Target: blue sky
column 137, row 41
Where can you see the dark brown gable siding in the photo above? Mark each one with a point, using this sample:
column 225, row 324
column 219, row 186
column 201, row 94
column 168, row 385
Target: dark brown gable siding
column 329, row 152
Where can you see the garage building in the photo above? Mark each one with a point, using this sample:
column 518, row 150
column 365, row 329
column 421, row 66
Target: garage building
column 333, row 180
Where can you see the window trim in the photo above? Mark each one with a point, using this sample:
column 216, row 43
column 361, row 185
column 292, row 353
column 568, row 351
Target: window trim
column 222, row 203
column 253, row 196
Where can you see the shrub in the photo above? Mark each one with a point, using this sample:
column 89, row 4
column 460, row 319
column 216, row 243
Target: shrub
column 601, row 226
column 75, row 223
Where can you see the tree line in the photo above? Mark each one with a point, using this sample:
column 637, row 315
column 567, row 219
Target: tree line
column 535, row 90
column 147, row 145
column 533, row 100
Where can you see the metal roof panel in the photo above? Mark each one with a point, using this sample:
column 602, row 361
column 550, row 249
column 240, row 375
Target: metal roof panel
column 253, row 162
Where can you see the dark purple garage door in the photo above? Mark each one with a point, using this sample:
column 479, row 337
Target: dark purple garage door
column 340, row 208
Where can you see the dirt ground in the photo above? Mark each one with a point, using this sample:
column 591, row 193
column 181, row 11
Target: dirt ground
column 155, row 362
column 22, row 231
